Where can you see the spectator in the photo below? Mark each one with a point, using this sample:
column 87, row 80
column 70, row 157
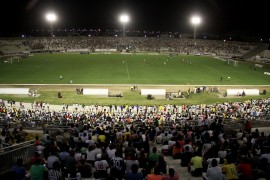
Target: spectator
column 101, row 167
column 55, row 173
column 19, row 170
column 214, row 172
column 230, row 170
column 171, row 176
column 134, row 174
column 155, row 176
column 161, row 165
column 117, row 166
column 195, row 166
column 51, row 159
column 84, row 168
column 37, row 171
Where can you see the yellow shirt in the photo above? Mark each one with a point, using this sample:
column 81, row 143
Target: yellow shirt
column 126, row 134
column 102, row 138
column 196, row 162
column 230, row 171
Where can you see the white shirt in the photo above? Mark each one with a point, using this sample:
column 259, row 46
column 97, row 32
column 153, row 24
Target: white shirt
column 101, row 165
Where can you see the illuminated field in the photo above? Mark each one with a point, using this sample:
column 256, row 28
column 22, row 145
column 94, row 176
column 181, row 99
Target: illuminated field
column 129, row 69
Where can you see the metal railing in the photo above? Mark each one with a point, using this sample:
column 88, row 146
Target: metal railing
column 9, row 155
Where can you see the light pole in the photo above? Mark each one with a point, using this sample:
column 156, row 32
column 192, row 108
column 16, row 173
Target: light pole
column 195, row 21
column 51, row 18
column 124, row 19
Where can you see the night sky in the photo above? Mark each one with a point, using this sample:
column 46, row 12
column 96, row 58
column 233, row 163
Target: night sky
column 220, row 16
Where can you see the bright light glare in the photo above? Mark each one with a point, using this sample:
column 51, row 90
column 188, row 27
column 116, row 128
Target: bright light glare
column 196, row 20
column 124, row 18
column 51, row 17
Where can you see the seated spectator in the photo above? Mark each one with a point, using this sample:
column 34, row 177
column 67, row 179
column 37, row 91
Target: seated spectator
column 177, row 150
column 155, row 176
column 171, row 176
column 134, row 174
column 245, row 170
column 214, row 172
column 153, row 157
column 19, row 170
column 186, row 157
column 230, row 170
column 195, row 167
column 161, row 165
column 142, row 159
column 165, row 148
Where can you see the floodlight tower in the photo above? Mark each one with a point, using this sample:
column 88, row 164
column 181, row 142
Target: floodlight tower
column 124, row 19
column 195, row 21
column 51, row 18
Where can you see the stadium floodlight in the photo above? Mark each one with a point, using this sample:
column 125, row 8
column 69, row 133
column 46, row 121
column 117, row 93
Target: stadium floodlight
column 195, row 21
column 51, row 18
column 124, row 18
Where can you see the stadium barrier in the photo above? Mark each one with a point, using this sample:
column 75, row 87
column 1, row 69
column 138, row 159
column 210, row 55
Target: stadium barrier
column 9, row 155
column 14, row 91
column 239, row 92
column 96, row 92
column 157, row 93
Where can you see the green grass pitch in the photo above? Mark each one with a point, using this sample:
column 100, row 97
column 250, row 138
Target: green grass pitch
column 129, row 69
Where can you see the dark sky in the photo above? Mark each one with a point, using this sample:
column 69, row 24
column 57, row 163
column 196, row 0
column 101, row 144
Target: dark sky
column 157, row 15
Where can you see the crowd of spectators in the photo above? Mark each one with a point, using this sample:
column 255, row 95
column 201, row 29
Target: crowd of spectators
column 106, row 151
column 101, row 143
column 138, row 44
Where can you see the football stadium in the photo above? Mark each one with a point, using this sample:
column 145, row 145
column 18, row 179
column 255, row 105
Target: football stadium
column 130, row 104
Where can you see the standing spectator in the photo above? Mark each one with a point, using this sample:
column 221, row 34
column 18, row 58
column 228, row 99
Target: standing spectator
column 55, row 173
column 101, row 167
column 117, row 166
column 19, row 170
column 37, row 171
column 248, row 127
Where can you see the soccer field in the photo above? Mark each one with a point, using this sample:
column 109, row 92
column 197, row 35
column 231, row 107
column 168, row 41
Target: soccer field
column 129, row 69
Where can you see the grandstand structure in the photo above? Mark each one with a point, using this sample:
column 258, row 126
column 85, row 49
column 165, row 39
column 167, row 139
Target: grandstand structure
column 232, row 49
column 230, row 116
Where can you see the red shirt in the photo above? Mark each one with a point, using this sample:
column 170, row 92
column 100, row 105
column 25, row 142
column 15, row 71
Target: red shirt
column 245, row 169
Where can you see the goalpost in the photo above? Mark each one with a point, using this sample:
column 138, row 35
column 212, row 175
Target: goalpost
column 235, row 64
